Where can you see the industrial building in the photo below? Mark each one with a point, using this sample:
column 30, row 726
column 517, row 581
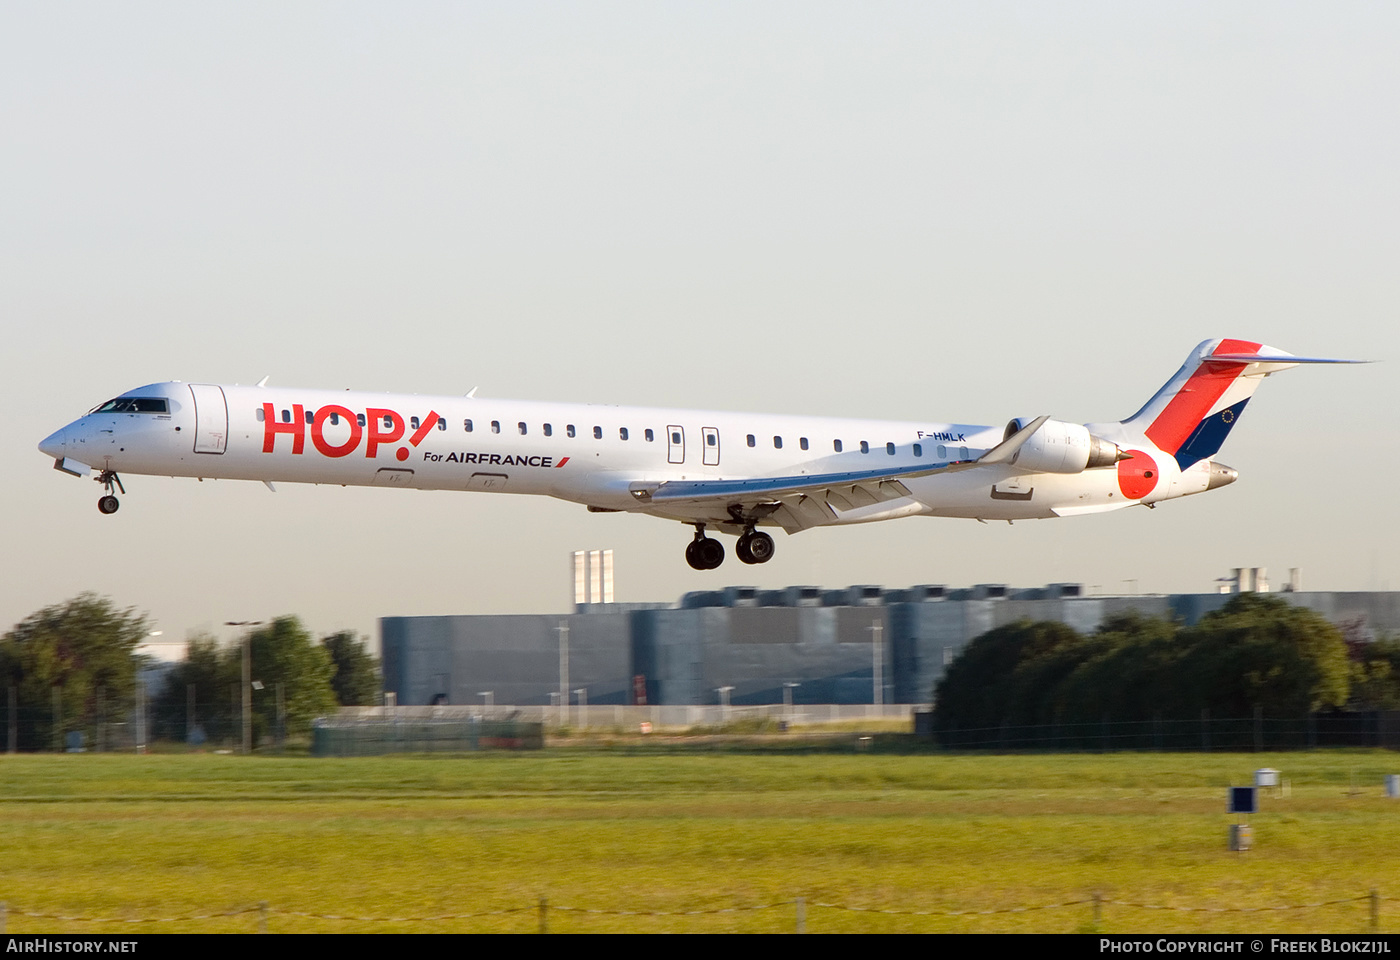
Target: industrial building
column 741, row 645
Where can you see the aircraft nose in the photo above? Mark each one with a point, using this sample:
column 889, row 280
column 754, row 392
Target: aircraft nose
column 55, row 444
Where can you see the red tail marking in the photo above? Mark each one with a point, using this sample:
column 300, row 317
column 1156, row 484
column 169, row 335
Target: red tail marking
column 1137, row 477
column 1195, row 398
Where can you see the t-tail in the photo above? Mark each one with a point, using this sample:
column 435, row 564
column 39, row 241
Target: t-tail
column 1190, row 417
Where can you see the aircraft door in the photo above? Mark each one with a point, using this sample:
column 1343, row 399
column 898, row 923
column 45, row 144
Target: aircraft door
column 709, row 436
column 210, row 418
column 675, row 444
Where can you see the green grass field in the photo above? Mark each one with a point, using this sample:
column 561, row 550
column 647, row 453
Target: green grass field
column 672, row 829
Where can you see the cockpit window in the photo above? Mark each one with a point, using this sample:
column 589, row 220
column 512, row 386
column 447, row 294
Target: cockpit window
column 135, row 405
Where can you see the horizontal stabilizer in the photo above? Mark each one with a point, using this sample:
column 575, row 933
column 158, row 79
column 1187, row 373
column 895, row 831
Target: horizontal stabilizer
column 1271, row 358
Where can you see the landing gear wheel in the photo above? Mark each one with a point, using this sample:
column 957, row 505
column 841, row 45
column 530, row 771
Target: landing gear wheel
column 704, row 553
column 755, row 547
column 110, row 480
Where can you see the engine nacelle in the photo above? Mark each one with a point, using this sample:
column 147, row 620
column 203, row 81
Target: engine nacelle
column 1059, row 447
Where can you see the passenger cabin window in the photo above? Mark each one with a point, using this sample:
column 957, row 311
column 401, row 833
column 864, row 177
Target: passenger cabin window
column 676, row 437
column 548, row 430
column 752, row 442
column 942, row 452
column 889, row 448
column 802, row 442
column 335, row 418
column 495, row 426
column 836, row 445
column 918, row 449
column 777, row 443
column 441, row 423
column 649, row 435
column 569, row 430
column 286, row 416
column 413, row 422
column 597, row 433
column 622, row 432
column 711, row 439
column 310, row 417
column 864, row 447
column 388, row 422
column 260, row 415
column 521, row 426
column 360, row 419
column 468, row 425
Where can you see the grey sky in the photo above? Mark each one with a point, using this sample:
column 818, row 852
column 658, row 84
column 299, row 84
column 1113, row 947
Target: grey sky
column 955, row 211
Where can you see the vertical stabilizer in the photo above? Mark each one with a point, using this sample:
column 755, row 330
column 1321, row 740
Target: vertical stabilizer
column 1190, row 417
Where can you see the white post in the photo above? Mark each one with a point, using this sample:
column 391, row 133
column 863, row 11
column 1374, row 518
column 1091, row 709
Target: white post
column 607, row 576
column 582, row 694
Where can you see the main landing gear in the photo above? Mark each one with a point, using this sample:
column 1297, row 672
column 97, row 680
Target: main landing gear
column 109, row 503
column 706, row 553
column 754, row 547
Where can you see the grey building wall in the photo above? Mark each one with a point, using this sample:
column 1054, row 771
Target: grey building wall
column 731, row 638
column 515, row 657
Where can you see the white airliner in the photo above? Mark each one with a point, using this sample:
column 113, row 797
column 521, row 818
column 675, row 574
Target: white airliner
column 729, row 471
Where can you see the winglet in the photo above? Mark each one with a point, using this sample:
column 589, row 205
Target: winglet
column 263, row 381
column 471, row 394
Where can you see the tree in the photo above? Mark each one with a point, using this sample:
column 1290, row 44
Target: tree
column 86, row 648
column 215, row 675
column 1262, row 651
column 356, row 678
column 1257, row 652
column 979, row 688
column 283, row 652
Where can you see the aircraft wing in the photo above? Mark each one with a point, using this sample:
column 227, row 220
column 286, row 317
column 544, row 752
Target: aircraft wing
column 806, row 500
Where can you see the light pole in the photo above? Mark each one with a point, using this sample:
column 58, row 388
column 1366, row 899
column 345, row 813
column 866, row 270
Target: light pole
column 787, row 697
column 141, row 698
column 563, row 630
column 877, row 654
column 247, row 681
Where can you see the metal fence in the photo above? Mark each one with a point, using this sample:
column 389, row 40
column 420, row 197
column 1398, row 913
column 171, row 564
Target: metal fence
column 372, row 736
column 661, row 718
column 1205, row 733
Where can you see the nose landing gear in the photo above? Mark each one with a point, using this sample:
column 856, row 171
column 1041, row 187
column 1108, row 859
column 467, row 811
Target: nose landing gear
column 109, row 503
